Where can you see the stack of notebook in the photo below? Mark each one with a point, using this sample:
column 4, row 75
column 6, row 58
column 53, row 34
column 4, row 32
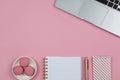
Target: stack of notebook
column 70, row 68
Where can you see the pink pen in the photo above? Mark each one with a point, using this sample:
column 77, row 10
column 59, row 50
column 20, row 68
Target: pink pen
column 86, row 68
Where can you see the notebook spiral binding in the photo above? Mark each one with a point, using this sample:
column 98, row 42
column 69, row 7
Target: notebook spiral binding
column 45, row 68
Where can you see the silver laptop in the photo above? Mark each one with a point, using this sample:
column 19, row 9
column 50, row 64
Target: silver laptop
column 102, row 13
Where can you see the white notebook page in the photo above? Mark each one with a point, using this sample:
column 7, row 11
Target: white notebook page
column 64, row 68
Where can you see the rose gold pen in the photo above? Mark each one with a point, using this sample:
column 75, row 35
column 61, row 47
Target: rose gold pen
column 86, row 66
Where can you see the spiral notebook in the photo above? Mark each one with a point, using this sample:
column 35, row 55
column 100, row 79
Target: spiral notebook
column 63, row 68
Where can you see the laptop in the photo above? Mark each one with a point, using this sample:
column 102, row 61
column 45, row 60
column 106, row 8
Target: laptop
column 103, row 13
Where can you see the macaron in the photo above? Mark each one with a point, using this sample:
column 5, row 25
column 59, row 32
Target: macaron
column 29, row 71
column 24, row 62
column 18, row 70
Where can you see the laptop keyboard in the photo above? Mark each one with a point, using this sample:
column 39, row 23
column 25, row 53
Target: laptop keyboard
column 115, row 4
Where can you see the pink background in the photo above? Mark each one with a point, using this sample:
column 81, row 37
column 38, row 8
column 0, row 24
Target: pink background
column 36, row 28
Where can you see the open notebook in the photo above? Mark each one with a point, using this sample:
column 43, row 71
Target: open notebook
column 63, row 68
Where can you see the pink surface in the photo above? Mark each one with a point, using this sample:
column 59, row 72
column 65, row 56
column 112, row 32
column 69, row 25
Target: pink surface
column 36, row 28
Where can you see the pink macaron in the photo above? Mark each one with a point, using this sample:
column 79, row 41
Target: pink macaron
column 24, row 62
column 18, row 70
column 29, row 71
